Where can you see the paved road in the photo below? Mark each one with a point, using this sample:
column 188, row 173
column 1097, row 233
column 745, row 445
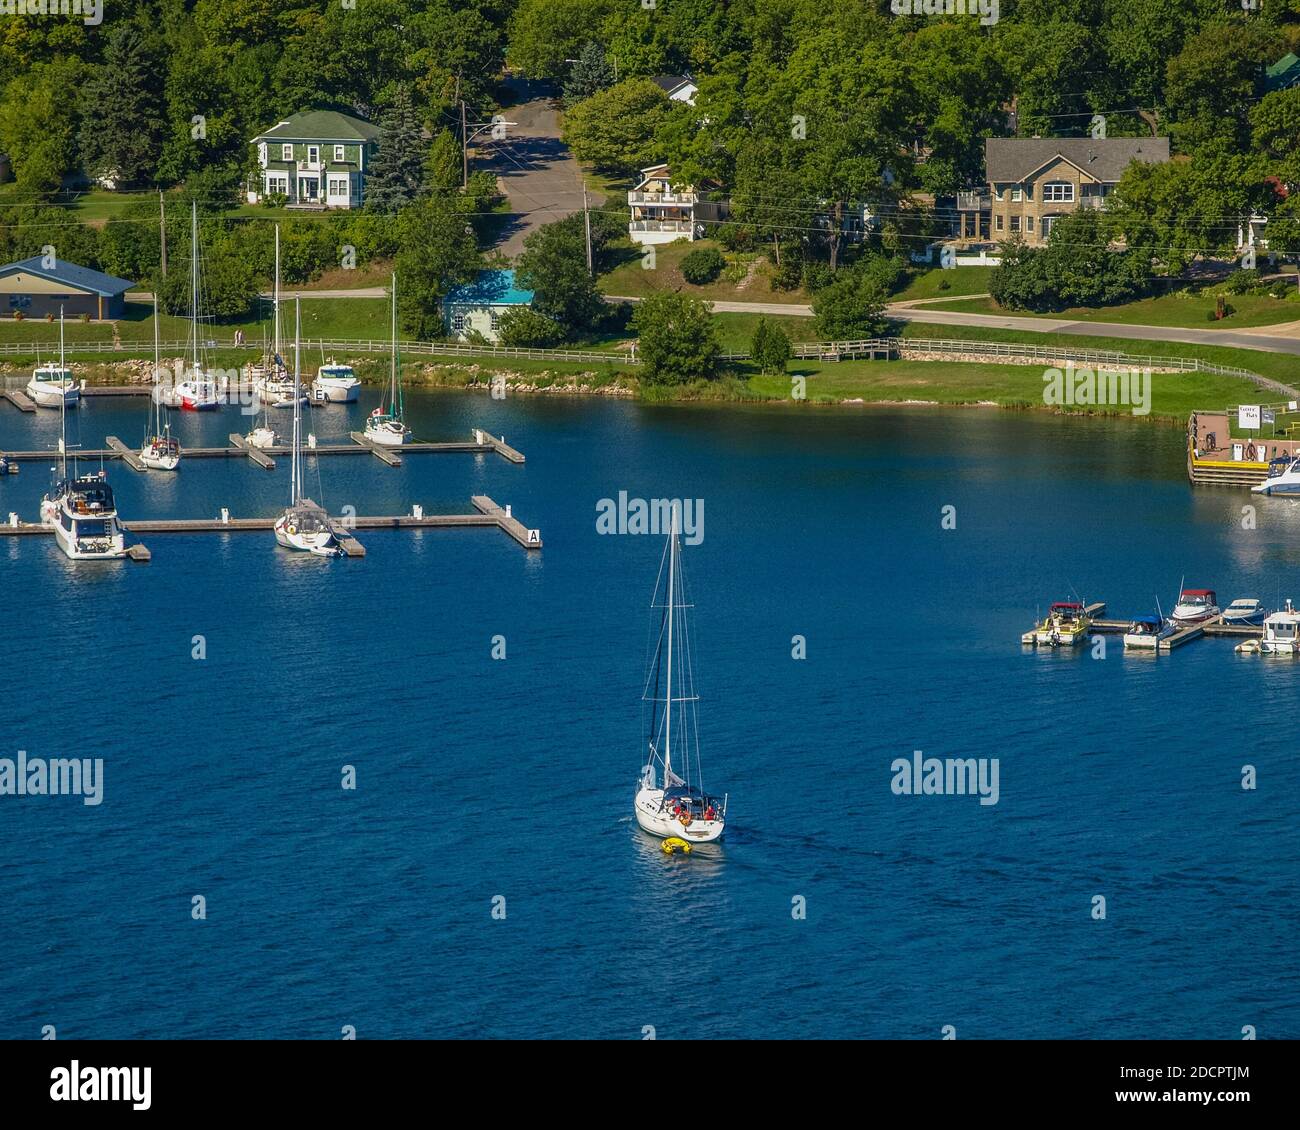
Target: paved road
column 1270, row 339
column 533, row 167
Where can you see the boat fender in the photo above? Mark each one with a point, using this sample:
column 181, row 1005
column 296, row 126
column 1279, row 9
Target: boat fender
column 291, row 530
column 685, row 819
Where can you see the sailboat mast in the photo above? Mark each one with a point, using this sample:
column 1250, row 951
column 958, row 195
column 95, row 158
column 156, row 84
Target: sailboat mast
column 275, row 339
column 295, row 475
column 156, row 411
column 672, row 615
column 194, row 281
column 63, row 406
column 392, row 376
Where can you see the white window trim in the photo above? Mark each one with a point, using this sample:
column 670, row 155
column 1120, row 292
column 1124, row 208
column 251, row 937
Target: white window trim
column 1052, row 192
column 1017, row 195
column 997, row 222
column 313, row 154
column 340, row 153
column 286, row 151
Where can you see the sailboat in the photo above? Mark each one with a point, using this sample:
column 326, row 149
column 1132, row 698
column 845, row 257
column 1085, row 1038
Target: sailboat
column 272, row 367
column 674, row 804
column 81, row 509
column 273, row 385
column 304, row 525
column 385, row 424
column 197, row 392
column 160, row 451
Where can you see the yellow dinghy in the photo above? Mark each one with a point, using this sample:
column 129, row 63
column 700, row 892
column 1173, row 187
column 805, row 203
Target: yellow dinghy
column 674, row 844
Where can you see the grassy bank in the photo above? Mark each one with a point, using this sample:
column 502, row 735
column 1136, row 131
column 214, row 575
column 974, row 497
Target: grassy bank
column 1181, row 310
column 748, row 276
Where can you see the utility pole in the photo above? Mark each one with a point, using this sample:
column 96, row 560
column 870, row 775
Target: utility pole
column 586, row 222
column 162, row 230
column 464, row 149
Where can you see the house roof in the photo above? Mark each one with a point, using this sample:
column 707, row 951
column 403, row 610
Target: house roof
column 321, row 125
column 491, row 288
column 671, row 84
column 1285, row 72
column 71, row 276
column 1012, row 159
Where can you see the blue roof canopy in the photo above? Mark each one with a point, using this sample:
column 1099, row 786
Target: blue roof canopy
column 71, row 275
column 491, row 288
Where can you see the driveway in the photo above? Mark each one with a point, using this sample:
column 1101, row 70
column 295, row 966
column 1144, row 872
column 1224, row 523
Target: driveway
column 533, row 167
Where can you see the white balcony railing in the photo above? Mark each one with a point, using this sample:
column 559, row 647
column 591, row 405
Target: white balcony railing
column 683, row 226
column 663, row 197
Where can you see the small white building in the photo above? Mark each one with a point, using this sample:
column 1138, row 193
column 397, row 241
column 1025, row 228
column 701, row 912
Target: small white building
column 661, row 213
column 679, row 88
column 477, row 307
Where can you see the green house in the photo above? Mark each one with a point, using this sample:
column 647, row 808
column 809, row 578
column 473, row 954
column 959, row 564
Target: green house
column 317, row 159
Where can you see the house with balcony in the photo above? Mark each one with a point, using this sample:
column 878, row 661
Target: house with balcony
column 660, row 212
column 317, row 159
column 1033, row 181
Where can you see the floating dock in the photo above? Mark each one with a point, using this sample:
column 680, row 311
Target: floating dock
column 487, row 514
column 19, row 400
column 1212, row 629
column 263, row 456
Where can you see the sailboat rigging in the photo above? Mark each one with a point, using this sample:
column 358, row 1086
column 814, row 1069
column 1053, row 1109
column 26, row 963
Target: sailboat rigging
column 385, row 425
column 160, row 450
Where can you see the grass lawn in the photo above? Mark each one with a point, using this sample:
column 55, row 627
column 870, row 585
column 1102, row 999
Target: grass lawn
column 959, row 281
column 632, row 279
column 736, row 331
column 1180, row 310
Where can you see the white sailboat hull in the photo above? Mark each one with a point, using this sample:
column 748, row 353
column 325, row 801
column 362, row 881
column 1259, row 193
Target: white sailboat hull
column 388, row 436
column 654, row 817
column 167, row 461
column 320, row 542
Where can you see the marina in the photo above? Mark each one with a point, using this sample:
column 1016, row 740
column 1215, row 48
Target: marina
column 487, row 514
column 1097, row 622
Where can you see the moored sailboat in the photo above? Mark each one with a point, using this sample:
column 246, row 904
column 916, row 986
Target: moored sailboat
column 161, row 451
column 670, row 799
column 197, row 392
column 304, row 525
column 385, row 424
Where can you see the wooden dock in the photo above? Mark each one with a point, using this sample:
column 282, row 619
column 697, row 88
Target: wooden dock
column 382, row 453
column 487, row 515
column 1213, row 629
column 256, row 454
column 19, row 400
column 263, row 457
column 129, row 457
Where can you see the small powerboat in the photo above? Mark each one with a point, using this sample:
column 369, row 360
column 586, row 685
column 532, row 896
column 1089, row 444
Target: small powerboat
column 1245, row 611
column 1283, row 477
column 1195, row 606
column 1281, row 635
column 1146, row 632
column 1064, row 626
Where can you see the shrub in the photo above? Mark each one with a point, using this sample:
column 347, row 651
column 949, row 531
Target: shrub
column 702, row 265
column 816, row 275
column 522, row 326
column 851, row 307
column 735, row 237
column 770, row 347
column 789, row 275
column 677, row 339
column 19, row 315
column 1241, row 282
column 85, row 316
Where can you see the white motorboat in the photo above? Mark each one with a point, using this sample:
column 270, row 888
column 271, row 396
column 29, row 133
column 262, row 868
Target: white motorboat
column 1146, row 632
column 304, row 525
column 336, row 384
column 1245, row 611
column 671, row 802
column 81, row 510
column 385, row 424
column 1281, row 635
column 1283, row 477
column 52, row 386
column 1195, row 606
column 263, row 437
column 161, row 451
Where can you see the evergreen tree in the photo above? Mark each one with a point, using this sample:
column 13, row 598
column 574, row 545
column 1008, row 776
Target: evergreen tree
column 589, row 73
column 120, row 111
column 397, row 175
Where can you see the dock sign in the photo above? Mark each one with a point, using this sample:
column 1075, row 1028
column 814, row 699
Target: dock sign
column 1248, row 415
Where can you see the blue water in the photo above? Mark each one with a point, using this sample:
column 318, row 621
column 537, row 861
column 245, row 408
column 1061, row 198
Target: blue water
column 1119, row 777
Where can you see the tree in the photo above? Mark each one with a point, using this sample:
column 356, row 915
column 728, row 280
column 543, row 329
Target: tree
column 1211, row 85
column 524, row 327
column 852, row 306
column 553, row 265
column 119, row 132
column 544, row 34
column 227, row 279
column 38, row 125
column 438, row 253
column 444, row 168
column 615, row 129
column 678, row 340
column 702, row 265
column 396, row 176
column 589, row 74
column 770, row 347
